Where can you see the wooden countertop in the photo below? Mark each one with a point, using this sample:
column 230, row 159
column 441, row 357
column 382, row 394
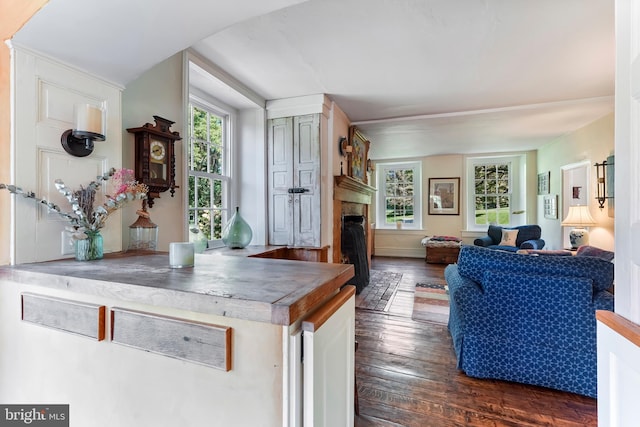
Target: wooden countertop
column 264, row 290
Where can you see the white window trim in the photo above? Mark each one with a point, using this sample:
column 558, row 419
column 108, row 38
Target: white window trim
column 228, row 115
column 518, row 188
column 417, row 194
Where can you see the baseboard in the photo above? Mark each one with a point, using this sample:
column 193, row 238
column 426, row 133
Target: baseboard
column 400, row 252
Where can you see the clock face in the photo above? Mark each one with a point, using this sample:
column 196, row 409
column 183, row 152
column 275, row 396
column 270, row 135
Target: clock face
column 158, row 151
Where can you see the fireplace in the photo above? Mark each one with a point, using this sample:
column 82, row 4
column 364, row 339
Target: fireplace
column 354, row 249
column 352, row 235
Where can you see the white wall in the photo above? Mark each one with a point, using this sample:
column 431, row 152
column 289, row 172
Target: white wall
column 158, row 92
column 251, row 172
column 592, row 143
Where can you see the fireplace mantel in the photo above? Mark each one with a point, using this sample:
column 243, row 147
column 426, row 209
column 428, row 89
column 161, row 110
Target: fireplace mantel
column 347, row 189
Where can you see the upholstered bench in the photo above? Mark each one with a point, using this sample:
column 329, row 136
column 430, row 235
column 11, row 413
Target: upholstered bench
column 441, row 249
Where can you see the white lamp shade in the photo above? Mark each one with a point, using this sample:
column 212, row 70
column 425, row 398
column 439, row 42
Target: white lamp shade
column 579, row 216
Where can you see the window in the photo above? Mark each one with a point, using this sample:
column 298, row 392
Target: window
column 399, row 195
column 495, row 191
column 208, row 162
column 492, row 194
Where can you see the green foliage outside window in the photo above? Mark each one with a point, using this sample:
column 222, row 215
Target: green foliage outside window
column 207, row 182
column 399, row 195
column 492, row 194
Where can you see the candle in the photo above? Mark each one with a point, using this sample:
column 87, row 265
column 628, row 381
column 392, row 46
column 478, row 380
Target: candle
column 89, row 119
column 181, row 255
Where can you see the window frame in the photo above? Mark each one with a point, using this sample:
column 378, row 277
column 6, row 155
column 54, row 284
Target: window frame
column 226, row 177
column 381, row 172
column 517, row 170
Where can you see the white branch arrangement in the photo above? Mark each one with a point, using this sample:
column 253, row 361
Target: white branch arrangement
column 84, row 217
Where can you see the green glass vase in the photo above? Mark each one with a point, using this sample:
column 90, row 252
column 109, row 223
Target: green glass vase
column 197, row 237
column 90, row 248
column 237, row 233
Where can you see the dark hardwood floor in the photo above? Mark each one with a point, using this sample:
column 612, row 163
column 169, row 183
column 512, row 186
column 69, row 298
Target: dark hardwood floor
column 406, row 372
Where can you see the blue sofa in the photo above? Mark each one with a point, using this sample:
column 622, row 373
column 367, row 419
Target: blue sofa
column 527, row 318
column 528, row 238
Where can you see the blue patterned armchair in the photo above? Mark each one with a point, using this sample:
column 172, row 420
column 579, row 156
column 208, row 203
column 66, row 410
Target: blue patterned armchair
column 528, row 319
column 526, row 237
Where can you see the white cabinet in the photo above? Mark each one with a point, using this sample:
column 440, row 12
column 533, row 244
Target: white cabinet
column 294, row 180
column 329, row 345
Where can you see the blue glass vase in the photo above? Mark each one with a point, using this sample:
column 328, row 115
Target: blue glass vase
column 237, row 233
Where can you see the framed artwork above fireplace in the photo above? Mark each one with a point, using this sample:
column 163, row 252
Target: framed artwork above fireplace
column 357, row 158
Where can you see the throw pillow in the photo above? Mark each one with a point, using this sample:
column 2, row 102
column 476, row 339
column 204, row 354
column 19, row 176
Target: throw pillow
column 586, row 250
column 445, row 239
column 509, row 237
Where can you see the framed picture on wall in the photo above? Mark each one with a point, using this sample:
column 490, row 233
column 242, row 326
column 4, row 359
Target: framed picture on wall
column 444, row 196
column 551, row 206
column 358, row 157
column 543, row 182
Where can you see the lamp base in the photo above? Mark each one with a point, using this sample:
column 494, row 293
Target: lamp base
column 578, row 237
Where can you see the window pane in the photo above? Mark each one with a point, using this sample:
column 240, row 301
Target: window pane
column 503, row 172
column 391, row 211
column 215, row 159
column 492, row 202
column 391, row 189
column 199, row 124
column 217, row 193
column 204, row 192
column 204, row 222
column 215, row 130
column 217, row 224
column 491, row 172
column 504, row 201
column 199, row 156
column 192, row 191
column 405, row 190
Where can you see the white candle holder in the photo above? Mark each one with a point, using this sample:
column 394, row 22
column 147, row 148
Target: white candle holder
column 181, row 255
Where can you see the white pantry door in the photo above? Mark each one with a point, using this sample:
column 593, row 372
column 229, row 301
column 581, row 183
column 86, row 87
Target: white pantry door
column 45, row 93
column 619, row 332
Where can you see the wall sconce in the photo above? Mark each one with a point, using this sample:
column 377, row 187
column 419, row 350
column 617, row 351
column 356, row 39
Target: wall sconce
column 370, row 166
column 601, row 183
column 579, row 218
column 88, row 127
column 344, row 147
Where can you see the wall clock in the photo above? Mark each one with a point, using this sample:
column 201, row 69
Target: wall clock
column 155, row 157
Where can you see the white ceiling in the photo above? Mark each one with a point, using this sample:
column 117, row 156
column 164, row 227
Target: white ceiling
column 418, row 77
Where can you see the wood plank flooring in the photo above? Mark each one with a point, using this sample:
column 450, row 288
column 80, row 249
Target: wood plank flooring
column 406, row 372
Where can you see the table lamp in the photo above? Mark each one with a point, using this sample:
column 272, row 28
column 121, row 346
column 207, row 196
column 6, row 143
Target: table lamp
column 579, row 218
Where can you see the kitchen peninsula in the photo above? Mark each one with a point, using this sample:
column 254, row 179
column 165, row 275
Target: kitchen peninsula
column 217, row 344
